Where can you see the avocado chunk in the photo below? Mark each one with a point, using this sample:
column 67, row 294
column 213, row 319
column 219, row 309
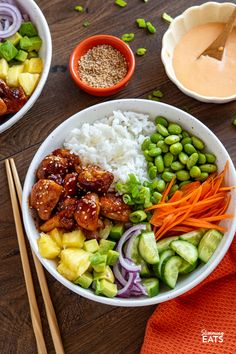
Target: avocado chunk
column 85, row 280
column 98, row 262
column 112, row 257
column 32, row 54
column 21, row 55
column 105, row 246
column 30, row 44
column 107, row 274
column 15, row 39
column 28, row 29
column 8, row 51
column 116, row 231
column 25, row 43
column 91, row 246
column 106, row 288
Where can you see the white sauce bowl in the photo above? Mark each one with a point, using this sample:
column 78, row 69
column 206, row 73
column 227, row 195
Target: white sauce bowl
column 192, row 17
column 30, row 8
column 56, row 139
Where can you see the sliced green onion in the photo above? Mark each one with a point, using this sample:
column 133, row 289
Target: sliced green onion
column 150, row 27
column 120, row 3
column 141, row 22
column 79, row 8
column 141, row 51
column 158, row 93
column 234, row 121
column 167, row 17
column 138, row 216
column 127, row 37
column 86, row 24
column 127, row 199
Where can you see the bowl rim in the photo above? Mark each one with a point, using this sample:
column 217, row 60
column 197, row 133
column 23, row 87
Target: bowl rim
column 173, row 78
column 99, row 90
column 47, row 63
column 83, row 292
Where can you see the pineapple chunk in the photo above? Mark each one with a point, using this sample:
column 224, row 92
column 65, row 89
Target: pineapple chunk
column 66, row 272
column 73, row 239
column 77, row 260
column 3, row 69
column 33, row 66
column 13, row 75
column 47, row 247
column 28, row 82
column 56, row 235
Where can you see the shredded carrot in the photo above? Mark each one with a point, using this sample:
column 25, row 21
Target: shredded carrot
column 194, row 206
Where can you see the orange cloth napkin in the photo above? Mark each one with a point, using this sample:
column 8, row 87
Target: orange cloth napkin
column 182, row 325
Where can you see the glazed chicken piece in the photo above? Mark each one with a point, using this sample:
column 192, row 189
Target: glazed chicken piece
column 87, row 212
column 74, row 162
column 113, row 207
column 64, row 218
column 70, row 184
column 52, row 165
column 92, row 178
column 11, row 99
column 44, row 197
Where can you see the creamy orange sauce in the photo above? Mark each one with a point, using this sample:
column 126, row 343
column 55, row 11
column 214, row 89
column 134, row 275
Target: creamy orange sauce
column 206, row 76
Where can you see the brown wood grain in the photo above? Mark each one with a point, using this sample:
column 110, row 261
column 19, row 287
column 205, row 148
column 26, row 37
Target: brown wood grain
column 86, row 327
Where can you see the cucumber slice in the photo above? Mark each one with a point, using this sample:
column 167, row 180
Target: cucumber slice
column 152, row 286
column 163, row 256
column 170, row 270
column 209, row 244
column 148, row 248
column 164, row 244
column 136, row 258
column 185, row 250
column 186, row 267
column 193, row 237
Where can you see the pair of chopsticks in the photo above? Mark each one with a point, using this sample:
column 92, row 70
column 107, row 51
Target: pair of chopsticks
column 16, row 199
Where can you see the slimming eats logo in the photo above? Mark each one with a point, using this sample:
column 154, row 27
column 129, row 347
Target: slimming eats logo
column 212, row 337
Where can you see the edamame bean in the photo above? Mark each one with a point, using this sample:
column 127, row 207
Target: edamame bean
column 161, row 120
column 184, row 183
column 172, row 139
column 180, row 136
column 189, row 149
column 176, row 166
column 176, row 148
column 210, row 158
column 155, row 137
column 195, row 172
column 203, row 176
column 185, row 134
column 159, row 163
column 147, row 184
column 182, row 175
column 145, row 144
column 168, row 159
column 209, row 168
column 167, row 176
column 161, row 185
column 174, row 128
column 152, row 172
column 183, row 158
column 198, row 143
column 174, row 188
column 201, row 159
column 167, row 169
column 156, row 197
column 150, row 164
column 151, row 146
column 163, row 146
column 162, row 130
column 147, row 156
column 155, row 152
column 192, row 160
column 186, row 140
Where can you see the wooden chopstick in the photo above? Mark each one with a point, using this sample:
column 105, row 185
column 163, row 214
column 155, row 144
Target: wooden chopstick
column 51, row 316
column 35, row 316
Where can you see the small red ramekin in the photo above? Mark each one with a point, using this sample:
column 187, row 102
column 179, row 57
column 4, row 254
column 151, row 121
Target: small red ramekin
column 91, row 42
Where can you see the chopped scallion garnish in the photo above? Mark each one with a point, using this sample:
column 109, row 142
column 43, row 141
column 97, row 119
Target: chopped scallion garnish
column 150, row 27
column 127, row 37
column 167, row 17
column 158, row 93
column 79, row 8
column 141, row 23
column 120, row 3
column 141, row 51
column 234, row 121
column 86, row 24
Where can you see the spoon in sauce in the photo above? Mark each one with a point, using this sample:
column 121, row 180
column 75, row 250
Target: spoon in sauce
column 216, row 48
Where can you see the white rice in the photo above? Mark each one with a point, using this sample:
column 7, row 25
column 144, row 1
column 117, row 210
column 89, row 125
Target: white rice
column 114, row 144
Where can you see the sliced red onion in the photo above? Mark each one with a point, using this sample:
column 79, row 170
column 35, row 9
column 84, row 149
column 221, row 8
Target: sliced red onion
column 126, row 290
column 15, row 19
column 118, row 275
column 6, row 25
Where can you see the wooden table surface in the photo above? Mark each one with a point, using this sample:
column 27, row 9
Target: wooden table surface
column 86, row 326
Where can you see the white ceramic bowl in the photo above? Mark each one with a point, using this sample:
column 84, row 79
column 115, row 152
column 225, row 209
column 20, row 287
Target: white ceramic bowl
column 91, row 114
column 192, row 17
column 31, row 8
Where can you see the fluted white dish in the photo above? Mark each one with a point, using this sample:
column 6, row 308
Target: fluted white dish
column 192, row 17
